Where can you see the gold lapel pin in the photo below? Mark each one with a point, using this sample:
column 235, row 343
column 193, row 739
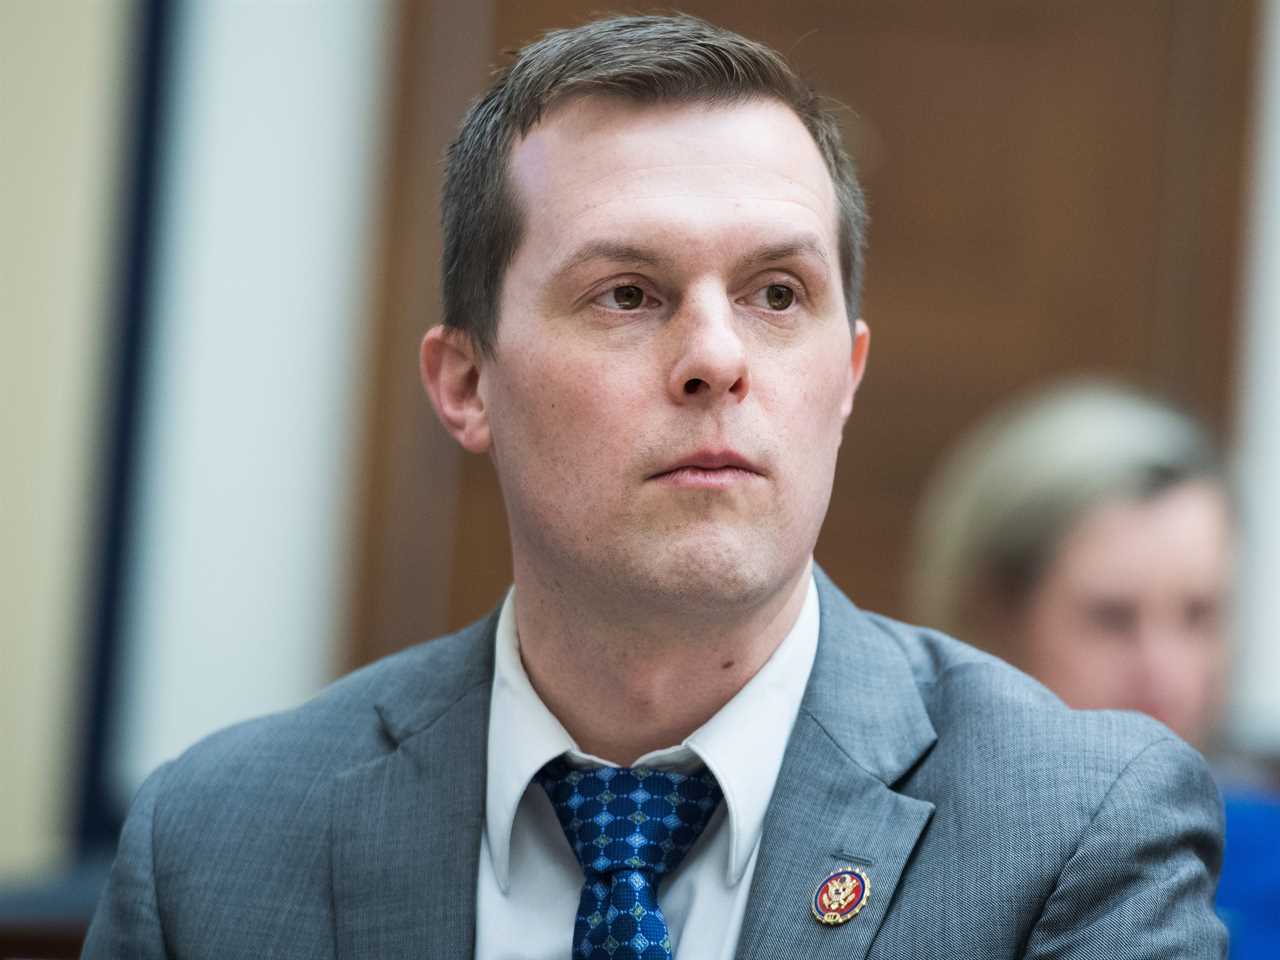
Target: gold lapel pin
column 839, row 897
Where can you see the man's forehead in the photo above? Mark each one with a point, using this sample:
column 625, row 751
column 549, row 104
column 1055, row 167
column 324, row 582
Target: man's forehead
column 595, row 151
column 672, row 129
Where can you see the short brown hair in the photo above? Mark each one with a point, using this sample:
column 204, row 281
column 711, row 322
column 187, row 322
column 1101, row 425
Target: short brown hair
column 648, row 59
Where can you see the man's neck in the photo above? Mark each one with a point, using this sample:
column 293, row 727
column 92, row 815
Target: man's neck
column 622, row 687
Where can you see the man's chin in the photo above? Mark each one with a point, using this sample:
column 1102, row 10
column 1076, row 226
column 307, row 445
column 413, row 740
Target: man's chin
column 711, row 575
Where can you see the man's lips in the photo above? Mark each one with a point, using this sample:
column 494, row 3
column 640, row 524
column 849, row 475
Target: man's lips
column 713, row 469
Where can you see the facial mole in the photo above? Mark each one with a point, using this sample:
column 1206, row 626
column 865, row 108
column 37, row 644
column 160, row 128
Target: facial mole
column 726, row 665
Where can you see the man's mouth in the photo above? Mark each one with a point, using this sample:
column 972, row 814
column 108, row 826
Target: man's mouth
column 709, row 470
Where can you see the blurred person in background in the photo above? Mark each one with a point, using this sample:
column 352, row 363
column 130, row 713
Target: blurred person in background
column 1085, row 535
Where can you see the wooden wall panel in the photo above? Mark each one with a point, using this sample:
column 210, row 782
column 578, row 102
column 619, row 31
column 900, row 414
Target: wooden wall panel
column 439, row 56
column 1055, row 188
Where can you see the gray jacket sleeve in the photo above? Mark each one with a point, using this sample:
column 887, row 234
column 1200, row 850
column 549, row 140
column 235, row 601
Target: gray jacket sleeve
column 1141, row 883
column 127, row 921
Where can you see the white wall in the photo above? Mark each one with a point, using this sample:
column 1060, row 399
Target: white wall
column 1256, row 709
column 253, row 398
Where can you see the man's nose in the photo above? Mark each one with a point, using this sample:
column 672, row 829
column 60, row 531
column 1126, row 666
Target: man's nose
column 711, row 357
column 1165, row 668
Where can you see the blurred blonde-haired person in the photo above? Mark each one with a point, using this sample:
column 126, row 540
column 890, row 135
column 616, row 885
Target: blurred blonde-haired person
column 1085, row 535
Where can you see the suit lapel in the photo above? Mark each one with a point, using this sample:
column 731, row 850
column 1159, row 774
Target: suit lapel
column 406, row 827
column 861, row 726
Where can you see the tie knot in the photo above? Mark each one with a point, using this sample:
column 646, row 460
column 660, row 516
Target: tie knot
column 629, row 818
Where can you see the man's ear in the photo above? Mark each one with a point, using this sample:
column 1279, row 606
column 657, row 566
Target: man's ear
column 450, row 372
column 858, row 364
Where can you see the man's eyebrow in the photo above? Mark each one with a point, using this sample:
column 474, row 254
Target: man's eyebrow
column 613, row 251
column 610, row 250
column 802, row 246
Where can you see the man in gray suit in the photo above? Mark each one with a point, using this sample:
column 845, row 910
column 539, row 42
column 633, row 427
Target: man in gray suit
column 675, row 736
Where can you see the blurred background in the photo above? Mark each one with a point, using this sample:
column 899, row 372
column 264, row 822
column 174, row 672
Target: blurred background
column 222, row 486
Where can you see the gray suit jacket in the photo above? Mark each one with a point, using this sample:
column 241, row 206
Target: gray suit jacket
column 991, row 821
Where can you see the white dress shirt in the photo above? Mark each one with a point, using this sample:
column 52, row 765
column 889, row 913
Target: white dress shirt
column 529, row 881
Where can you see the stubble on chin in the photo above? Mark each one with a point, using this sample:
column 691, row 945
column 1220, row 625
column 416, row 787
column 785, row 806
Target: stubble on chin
column 694, row 571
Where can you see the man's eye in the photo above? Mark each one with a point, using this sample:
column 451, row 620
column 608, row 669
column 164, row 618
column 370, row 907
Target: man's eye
column 1115, row 617
column 628, row 297
column 779, row 296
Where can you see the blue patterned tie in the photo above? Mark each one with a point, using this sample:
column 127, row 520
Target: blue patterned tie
column 629, row 828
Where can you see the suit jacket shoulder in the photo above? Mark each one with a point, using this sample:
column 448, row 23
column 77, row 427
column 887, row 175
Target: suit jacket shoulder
column 237, row 847
column 359, row 717
column 990, row 819
column 979, row 704
column 1006, row 729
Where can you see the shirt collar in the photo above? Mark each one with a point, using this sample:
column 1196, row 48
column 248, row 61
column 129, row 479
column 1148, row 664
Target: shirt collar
column 742, row 744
